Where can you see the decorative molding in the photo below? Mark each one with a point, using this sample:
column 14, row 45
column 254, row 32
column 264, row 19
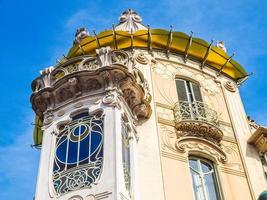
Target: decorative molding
column 60, row 113
column 194, row 144
column 166, row 122
column 229, row 139
column 200, row 129
column 178, row 147
column 78, row 105
column 111, row 98
column 230, row 86
column 164, row 106
column 233, row 156
column 232, row 172
column 103, row 56
column 48, row 119
column 102, row 195
column 80, row 76
column 142, row 59
column 76, row 197
column 174, row 156
column 168, row 138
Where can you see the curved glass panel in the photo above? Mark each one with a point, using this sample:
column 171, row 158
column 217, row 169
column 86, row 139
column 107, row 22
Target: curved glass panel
column 79, row 153
column 204, row 180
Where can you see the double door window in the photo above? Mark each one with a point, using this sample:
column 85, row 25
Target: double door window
column 190, row 100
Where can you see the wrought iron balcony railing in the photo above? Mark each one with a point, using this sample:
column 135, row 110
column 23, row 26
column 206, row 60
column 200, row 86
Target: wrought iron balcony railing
column 196, row 110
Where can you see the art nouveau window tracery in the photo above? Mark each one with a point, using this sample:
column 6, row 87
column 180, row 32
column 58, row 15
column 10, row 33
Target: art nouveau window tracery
column 203, row 175
column 79, row 153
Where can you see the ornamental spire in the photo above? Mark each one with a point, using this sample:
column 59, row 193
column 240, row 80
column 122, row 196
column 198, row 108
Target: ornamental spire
column 130, row 21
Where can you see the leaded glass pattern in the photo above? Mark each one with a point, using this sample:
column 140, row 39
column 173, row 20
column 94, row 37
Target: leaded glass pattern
column 79, row 153
column 204, row 179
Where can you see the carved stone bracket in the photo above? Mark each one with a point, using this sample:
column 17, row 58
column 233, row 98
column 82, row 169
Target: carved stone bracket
column 198, row 145
column 200, row 129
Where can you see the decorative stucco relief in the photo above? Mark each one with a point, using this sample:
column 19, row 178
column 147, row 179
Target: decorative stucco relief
column 76, row 197
column 168, row 71
column 230, row 86
column 226, row 154
column 102, row 195
column 141, row 58
column 234, row 160
column 198, row 146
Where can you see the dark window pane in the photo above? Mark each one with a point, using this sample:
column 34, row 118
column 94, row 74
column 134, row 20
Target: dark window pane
column 181, row 90
column 206, row 167
column 72, row 152
column 197, row 93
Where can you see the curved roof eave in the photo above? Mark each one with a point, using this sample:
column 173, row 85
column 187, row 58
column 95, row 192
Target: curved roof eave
column 175, row 42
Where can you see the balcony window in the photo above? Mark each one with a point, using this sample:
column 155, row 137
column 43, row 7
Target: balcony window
column 188, row 91
column 190, row 104
column 204, row 181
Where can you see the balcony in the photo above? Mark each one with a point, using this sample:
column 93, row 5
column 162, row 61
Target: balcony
column 197, row 119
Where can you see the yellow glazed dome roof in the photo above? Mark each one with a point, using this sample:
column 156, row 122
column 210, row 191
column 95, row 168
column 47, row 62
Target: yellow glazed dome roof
column 130, row 33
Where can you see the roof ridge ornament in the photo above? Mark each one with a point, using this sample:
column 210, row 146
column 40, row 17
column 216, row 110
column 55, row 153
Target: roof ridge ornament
column 130, row 21
column 80, row 34
column 221, row 45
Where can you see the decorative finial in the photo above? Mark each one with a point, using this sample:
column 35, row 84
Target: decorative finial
column 130, row 21
column 221, row 45
column 80, row 34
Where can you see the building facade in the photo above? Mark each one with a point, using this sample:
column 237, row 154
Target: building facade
column 135, row 113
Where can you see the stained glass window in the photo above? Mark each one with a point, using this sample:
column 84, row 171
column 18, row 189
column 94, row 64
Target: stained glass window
column 79, row 153
column 204, row 179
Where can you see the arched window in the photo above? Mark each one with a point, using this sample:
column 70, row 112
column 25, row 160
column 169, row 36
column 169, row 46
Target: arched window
column 79, row 153
column 204, row 180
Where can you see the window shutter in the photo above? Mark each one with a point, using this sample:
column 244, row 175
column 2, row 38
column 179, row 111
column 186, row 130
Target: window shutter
column 181, row 90
column 196, row 91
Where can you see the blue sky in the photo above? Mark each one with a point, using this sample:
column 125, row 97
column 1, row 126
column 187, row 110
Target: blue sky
column 34, row 34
